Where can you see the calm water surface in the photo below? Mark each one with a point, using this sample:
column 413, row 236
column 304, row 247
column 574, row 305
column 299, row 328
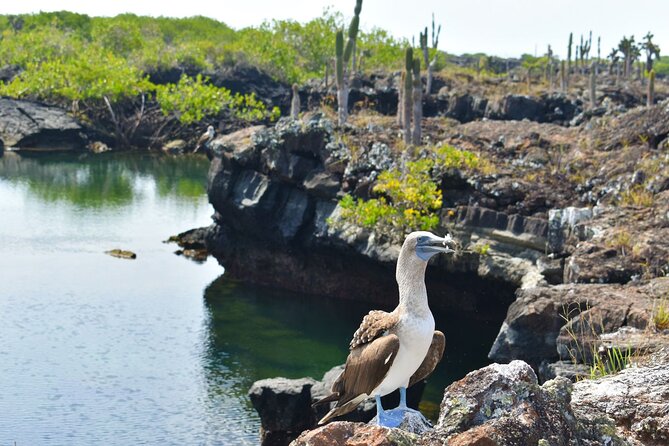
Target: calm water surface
column 157, row 350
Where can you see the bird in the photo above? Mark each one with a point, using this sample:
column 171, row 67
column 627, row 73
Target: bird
column 205, row 139
column 397, row 349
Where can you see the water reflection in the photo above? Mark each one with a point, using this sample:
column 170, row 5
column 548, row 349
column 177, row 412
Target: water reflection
column 104, row 180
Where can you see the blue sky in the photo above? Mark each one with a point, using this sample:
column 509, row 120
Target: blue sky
column 502, row 27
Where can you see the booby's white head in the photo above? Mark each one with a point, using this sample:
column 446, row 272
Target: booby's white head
column 425, row 244
column 210, row 131
column 416, row 251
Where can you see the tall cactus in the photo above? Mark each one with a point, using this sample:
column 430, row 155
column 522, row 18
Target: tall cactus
column 430, row 64
column 343, row 55
column 341, row 75
column 416, row 136
column 571, row 41
column 407, row 95
column 593, row 87
column 295, row 103
column 563, row 77
column 650, row 99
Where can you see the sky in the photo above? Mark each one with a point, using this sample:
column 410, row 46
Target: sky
column 506, row 28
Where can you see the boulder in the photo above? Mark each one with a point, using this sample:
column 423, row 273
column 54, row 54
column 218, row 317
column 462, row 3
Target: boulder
column 635, row 399
column 344, row 433
column 284, row 406
column 503, row 404
column 175, row 147
column 539, row 324
column 517, row 108
column 28, row 125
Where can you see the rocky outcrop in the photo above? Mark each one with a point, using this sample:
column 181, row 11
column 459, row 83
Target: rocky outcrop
column 284, row 406
column 503, row 404
column 635, row 399
column 542, row 322
column 28, row 125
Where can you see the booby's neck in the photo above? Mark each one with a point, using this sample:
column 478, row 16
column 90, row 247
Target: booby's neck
column 410, row 276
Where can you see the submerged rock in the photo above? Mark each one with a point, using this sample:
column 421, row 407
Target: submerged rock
column 122, row 254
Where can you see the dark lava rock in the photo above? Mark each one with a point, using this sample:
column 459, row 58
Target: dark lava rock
column 32, row 126
column 246, row 79
column 539, row 323
column 517, row 108
column 284, row 406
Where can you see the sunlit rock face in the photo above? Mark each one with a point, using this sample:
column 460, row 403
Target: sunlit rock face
column 30, row 126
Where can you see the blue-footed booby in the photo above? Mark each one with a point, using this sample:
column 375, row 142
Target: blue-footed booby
column 397, row 349
column 205, row 138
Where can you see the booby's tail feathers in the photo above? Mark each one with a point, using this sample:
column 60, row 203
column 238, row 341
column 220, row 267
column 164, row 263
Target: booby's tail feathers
column 341, row 410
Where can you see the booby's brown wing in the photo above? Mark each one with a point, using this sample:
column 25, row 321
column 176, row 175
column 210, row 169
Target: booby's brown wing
column 374, row 325
column 432, row 358
column 201, row 141
column 365, row 368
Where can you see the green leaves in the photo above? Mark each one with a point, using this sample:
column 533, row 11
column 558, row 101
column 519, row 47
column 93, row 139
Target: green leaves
column 408, row 200
column 192, row 99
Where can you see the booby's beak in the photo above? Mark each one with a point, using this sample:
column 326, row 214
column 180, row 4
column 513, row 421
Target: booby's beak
column 430, row 245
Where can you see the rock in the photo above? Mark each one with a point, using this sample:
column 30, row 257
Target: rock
column 503, row 404
column 28, row 125
column 175, row 147
column 322, row 184
column 566, row 369
column 563, row 222
column 122, row 254
column 284, row 407
column 516, row 108
column 343, row 433
column 246, row 79
column 635, row 399
column 239, row 146
column 413, row 422
column 537, row 323
column 98, row 147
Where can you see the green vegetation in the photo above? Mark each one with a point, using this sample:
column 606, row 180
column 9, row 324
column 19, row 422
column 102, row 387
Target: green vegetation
column 583, row 327
column 610, row 361
column 193, row 99
column 408, row 200
column 661, row 314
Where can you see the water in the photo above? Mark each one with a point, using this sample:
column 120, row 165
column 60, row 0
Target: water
column 157, row 350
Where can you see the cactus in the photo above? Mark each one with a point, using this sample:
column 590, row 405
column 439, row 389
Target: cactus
column 400, row 101
column 426, row 55
column 343, row 55
column 571, row 41
column 593, row 87
column 417, row 97
column 650, row 99
column 295, row 103
column 407, row 95
column 563, row 77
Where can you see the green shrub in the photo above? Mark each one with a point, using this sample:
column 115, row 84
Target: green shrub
column 406, row 202
column 192, row 99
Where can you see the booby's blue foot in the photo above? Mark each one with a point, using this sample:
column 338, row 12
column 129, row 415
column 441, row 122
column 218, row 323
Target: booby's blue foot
column 393, row 417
